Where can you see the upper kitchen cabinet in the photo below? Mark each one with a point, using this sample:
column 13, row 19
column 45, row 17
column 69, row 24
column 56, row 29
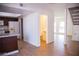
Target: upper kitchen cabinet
column 1, row 22
column 14, row 27
column 4, row 21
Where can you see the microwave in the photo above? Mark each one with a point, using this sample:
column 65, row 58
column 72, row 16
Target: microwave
column 1, row 22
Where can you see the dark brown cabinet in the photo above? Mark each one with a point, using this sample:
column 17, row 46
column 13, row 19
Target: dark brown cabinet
column 8, row 44
column 6, row 21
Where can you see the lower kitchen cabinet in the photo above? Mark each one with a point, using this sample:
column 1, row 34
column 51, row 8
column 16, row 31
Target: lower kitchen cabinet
column 8, row 44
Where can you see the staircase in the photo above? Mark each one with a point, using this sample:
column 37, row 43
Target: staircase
column 74, row 11
column 73, row 44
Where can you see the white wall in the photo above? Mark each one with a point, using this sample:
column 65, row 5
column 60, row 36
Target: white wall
column 50, row 27
column 31, row 29
column 69, row 24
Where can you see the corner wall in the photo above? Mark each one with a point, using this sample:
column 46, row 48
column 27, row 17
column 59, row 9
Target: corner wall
column 50, row 27
column 31, row 29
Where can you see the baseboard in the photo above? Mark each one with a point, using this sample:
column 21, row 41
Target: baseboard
column 31, row 44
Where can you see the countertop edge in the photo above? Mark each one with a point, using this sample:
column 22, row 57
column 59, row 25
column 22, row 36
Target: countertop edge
column 9, row 35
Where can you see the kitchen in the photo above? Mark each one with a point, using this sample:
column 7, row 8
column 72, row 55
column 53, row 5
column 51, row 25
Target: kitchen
column 9, row 33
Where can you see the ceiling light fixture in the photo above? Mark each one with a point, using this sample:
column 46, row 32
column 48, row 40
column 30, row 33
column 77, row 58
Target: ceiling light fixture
column 21, row 4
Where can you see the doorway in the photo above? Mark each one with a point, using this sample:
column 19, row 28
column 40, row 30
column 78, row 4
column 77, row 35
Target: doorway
column 59, row 31
column 43, row 30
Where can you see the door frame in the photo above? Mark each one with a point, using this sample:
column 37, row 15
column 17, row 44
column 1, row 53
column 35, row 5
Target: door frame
column 46, row 26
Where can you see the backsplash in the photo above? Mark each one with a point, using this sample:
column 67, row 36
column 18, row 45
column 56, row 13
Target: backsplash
column 3, row 29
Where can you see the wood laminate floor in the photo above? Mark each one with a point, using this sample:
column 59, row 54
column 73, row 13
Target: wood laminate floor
column 52, row 49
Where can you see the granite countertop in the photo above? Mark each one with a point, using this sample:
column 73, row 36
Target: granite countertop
column 8, row 35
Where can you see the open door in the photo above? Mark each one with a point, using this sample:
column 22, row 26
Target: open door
column 43, row 30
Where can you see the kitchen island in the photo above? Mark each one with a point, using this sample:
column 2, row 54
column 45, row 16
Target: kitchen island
column 8, row 43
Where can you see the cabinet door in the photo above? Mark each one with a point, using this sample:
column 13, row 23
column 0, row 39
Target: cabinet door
column 1, row 22
column 0, row 44
column 10, row 44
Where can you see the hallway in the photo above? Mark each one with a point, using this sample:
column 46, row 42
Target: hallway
column 59, row 43
column 52, row 49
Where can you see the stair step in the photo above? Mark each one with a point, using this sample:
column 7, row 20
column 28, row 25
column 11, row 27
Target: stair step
column 74, row 8
column 75, row 15
column 75, row 20
column 74, row 12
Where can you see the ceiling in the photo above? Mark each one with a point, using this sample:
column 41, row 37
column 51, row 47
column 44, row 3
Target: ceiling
column 9, row 14
column 30, row 6
column 27, row 8
column 33, row 7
